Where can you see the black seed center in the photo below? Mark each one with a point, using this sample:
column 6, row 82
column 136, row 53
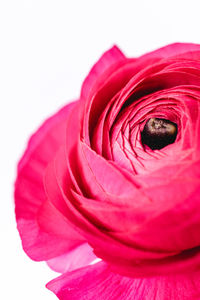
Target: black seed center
column 158, row 133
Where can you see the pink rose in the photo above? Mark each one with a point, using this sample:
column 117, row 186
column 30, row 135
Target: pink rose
column 116, row 175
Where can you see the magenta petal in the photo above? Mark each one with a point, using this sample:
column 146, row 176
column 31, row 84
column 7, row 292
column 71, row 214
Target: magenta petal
column 109, row 58
column 97, row 282
column 29, row 190
column 172, row 50
column 103, row 176
column 79, row 257
column 38, row 244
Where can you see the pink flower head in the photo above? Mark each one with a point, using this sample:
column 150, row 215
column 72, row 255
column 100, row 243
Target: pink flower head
column 116, row 175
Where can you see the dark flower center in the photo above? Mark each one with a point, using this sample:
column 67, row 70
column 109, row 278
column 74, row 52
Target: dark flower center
column 158, row 133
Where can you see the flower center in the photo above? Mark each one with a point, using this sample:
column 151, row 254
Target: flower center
column 158, row 133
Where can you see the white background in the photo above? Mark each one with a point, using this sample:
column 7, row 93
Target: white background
column 46, row 49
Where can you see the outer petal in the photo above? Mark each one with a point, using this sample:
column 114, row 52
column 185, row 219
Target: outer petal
column 175, row 49
column 77, row 258
column 99, row 283
column 108, row 59
column 32, row 209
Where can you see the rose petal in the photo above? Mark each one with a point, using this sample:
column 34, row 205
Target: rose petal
column 79, row 257
column 173, row 50
column 29, row 190
column 110, row 57
column 41, row 243
column 102, row 177
column 99, row 283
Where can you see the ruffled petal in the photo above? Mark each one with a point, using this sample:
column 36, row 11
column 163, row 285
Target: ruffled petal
column 176, row 49
column 42, row 242
column 108, row 59
column 79, row 257
column 99, row 283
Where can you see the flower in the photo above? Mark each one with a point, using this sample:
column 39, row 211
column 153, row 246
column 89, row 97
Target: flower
column 116, row 175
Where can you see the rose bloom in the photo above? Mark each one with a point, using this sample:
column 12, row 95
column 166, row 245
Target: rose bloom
column 116, row 176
